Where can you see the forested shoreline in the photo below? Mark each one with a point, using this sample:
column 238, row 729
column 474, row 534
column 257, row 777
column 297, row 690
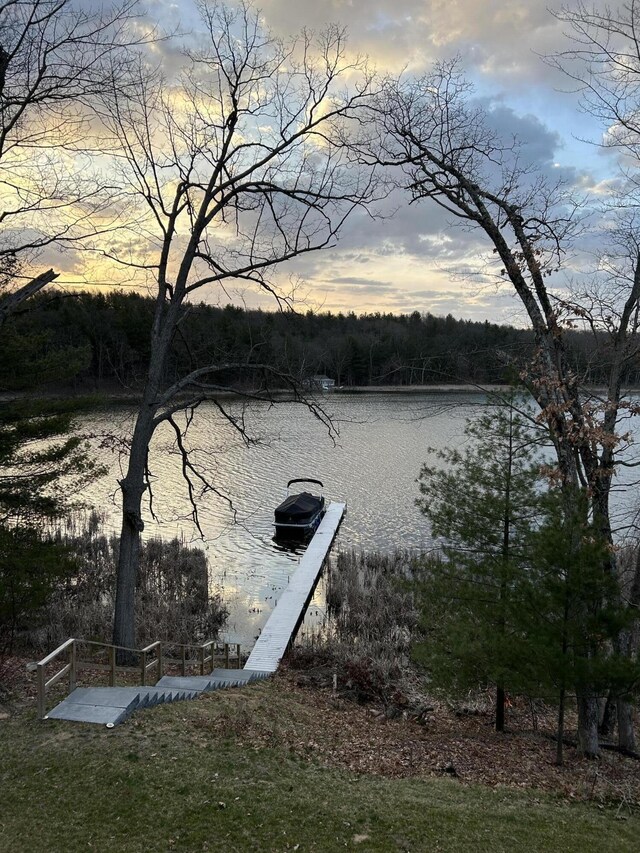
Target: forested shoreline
column 91, row 342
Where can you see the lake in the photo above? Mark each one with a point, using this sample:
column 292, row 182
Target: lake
column 373, row 466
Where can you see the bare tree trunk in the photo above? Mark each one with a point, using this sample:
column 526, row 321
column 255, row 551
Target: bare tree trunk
column 626, row 734
column 133, row 487
column 128, row 561
column 626, row 737
column 607, row 723
column 500, row 699
column 560, row 736
column 506, row 554
column 563, row 688
column 628, row 641
column 587, row 725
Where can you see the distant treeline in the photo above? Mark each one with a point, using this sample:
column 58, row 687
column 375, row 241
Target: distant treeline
column 101, row 341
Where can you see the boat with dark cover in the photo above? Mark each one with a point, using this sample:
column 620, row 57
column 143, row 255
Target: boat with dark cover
column 299, row 514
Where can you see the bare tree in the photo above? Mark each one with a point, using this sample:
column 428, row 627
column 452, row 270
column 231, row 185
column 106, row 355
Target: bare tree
column 447, row 152
column 602, row 61
column 232, row 169
column 53, row 61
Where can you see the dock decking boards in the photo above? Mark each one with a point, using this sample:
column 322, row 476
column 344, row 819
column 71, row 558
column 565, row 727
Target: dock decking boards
column 283, row 622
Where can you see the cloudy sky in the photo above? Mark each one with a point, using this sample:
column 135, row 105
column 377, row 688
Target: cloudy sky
column 415, row 259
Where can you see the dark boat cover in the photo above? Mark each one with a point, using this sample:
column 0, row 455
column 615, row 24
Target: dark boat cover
column 297, row 508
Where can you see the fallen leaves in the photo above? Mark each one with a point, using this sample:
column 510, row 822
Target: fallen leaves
column 317, row 726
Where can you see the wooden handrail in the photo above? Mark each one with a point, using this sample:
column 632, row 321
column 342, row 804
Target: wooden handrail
column 205, row 661
column 165, row 643
column 54, row 654
column 106, row 645
column 69, row 669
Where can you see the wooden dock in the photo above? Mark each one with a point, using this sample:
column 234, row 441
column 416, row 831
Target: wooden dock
column 285, row 620
column 111, row 705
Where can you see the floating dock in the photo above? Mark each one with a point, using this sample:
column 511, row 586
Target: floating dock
column 285, row 619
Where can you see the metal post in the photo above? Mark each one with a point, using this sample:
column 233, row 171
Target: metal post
column 239, row 658
column 112, row 666
column 226, row 655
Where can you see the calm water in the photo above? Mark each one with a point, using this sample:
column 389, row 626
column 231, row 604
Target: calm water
column 383, row 439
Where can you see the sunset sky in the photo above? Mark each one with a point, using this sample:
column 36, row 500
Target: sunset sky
column 414, row 259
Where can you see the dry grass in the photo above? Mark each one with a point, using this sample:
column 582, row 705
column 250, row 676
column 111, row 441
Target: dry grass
column 172, row 595
column 370, row 626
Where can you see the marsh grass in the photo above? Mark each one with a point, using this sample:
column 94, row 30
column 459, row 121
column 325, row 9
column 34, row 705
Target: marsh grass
column 172, row 595
column 371, row 620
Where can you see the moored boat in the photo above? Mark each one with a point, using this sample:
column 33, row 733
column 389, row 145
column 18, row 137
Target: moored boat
column 299, row 514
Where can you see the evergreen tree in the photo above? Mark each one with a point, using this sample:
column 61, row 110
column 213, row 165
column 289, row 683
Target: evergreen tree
column 571, row 615
column 42, row 466
column 483, row 504
column 520, row 598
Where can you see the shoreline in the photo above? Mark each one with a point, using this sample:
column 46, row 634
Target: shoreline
column 111, row 396
column 134, row 396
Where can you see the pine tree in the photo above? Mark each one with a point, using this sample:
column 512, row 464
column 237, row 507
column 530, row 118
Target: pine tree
column 43, row 465
column 483, row 504
column 570, row 614
column 520, row 597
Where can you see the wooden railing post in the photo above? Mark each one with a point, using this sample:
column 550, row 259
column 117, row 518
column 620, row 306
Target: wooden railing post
column 69, row 669
column 202, row 648
column 226, row 655
column 143, row 668
column 112, row 666
column 41, row 691
column 72, row 667
column 184, row 660
column 239, row 657
column 159, row 653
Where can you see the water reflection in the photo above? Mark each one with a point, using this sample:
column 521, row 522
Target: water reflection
column 290, row 546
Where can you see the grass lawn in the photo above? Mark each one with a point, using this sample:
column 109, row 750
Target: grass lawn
column 184, row 778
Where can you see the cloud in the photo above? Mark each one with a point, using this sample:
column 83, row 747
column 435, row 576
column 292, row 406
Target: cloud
column 354, row 281
column 416, row 257
column 496, row 38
